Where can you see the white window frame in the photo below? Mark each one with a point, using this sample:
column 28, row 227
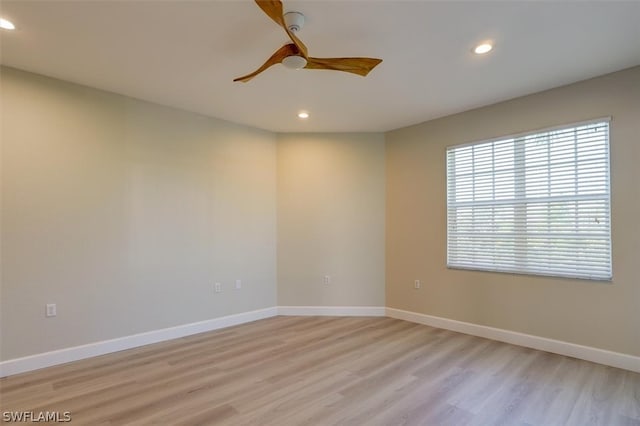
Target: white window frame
column 519, row 259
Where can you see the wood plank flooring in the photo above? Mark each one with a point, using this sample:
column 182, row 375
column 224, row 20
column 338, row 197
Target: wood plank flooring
column 330, row 371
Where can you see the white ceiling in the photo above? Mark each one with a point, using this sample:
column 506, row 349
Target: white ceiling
column 186, row 54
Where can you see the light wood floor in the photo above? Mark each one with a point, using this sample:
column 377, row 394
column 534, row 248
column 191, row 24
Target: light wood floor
column 328, row 370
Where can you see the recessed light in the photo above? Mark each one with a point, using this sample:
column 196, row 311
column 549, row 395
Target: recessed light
column 303, row 114
column 483, row 48
column 6, row 24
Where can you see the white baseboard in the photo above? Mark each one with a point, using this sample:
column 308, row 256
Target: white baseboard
column 47, row 359
column 339, row 311
column 587, row 353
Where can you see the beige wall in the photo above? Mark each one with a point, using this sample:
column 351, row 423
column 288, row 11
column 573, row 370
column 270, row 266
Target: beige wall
column 124, row 214
column 599, row 314
column 331, row 219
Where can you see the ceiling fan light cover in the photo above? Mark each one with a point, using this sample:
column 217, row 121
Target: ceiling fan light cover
column 294, row 62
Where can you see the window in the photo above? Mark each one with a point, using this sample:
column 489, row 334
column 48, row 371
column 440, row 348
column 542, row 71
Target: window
column 536, row 203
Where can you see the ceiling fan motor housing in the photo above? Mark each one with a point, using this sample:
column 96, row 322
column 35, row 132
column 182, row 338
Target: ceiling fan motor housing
column 294, row 21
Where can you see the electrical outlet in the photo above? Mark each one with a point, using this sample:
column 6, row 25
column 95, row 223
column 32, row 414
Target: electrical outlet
column 238, row 284
column 326, row 279
column 416, row 284
column 217, row 287
column 51, row 310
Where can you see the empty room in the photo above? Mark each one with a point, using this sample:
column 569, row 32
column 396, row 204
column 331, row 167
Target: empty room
column 320, row 212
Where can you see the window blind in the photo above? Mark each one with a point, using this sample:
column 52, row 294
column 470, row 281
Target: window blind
column 536, row 203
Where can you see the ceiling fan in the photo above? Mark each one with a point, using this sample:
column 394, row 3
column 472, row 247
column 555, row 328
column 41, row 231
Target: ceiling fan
column 294, row 55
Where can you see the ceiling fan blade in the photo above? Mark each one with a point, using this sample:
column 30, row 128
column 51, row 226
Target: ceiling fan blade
column 299, row 44
column 276, row 58
column 275, row 11
column 360, row 66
